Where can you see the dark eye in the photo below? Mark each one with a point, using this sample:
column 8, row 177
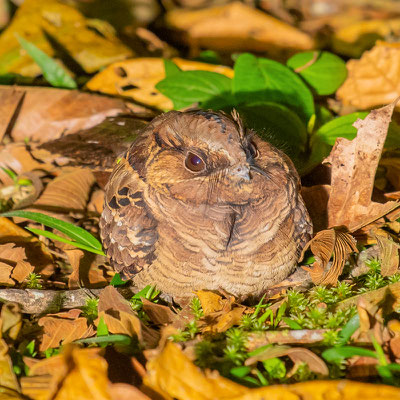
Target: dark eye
column 194, row 163
column 253, row 150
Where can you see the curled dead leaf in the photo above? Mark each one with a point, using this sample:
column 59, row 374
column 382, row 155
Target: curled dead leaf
column 353, row 167
column 326, row 243
column 8, row 380
column 69, row 191
column 11, row 320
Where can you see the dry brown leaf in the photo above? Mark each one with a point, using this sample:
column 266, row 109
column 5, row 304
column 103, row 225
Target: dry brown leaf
column 74, row 374
column 37, row 255
column 374, row 79
column 158, row 313
column 171, row 374
column 63, row 328
column 7, row 376
column 69, row 191
column 11, row 320
column 237, row 27
column 210, row 302
column 323, row 245
column 388, row 255
column 224, row 321
column 296, row 354
column 353, row 167
column 14, row 265
column 84, row 271
column 123, row 391
column 9, row 100
column 136, row 78
column 48, row 113
column 121, row 319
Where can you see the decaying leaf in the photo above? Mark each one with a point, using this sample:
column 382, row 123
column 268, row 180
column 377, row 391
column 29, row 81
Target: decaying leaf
column 236, row 27
column 353, row 168
column 394, row 328
column 210, row 302
column 296, row 354
column 171, row 374
column 374, row 79
column 48, row 113
column 121, row 319
column 8, row 380
column 9, row 100
column 36, row 20
column 388, row 255
column 11, row 320
column 14, row 266
column 74, row 374
column 63, row 328
column 69, row 191
column 325, row 244
column 136, row 78
column 84, row 271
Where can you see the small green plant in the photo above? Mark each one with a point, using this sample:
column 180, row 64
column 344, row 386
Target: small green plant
column 33, row 281
column 149, row 293
column 90, row 309
column 195, row 306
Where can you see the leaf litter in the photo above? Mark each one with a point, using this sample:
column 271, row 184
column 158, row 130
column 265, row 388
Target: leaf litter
column 59, row 298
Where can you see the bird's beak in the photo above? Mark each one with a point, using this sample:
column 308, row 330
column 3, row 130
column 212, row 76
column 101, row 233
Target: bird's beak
column 242, row 172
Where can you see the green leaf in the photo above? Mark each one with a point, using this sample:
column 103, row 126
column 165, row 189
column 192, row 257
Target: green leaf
column 292, row 323
column 74, row 232
column 261, row 79
column 210, row 57
column 170, row 68
column 240, row 372
column 105, row 340
column 188, row 87
column 339, row 353
column 275, row 367
column 348, row 330
column 277, row 124
column 102, row 329
column 339, row 127
column 52, row 72
column 325, row 75
column 53, row 236
column 117, row 281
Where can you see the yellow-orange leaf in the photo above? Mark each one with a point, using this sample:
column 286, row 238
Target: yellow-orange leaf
column 136, row 78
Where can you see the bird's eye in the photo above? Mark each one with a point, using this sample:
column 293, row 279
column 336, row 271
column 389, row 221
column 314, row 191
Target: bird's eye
column 253, row 150
column 194, row 163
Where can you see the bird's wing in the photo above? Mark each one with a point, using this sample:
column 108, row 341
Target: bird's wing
column 128, row 230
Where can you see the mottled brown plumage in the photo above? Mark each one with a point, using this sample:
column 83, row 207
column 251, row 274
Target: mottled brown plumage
column 198, row 202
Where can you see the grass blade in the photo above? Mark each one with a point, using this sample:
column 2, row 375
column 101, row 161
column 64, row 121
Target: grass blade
column 52, row 72
column 74, row 232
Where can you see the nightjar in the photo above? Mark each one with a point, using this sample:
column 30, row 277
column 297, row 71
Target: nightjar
column 200, row 202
